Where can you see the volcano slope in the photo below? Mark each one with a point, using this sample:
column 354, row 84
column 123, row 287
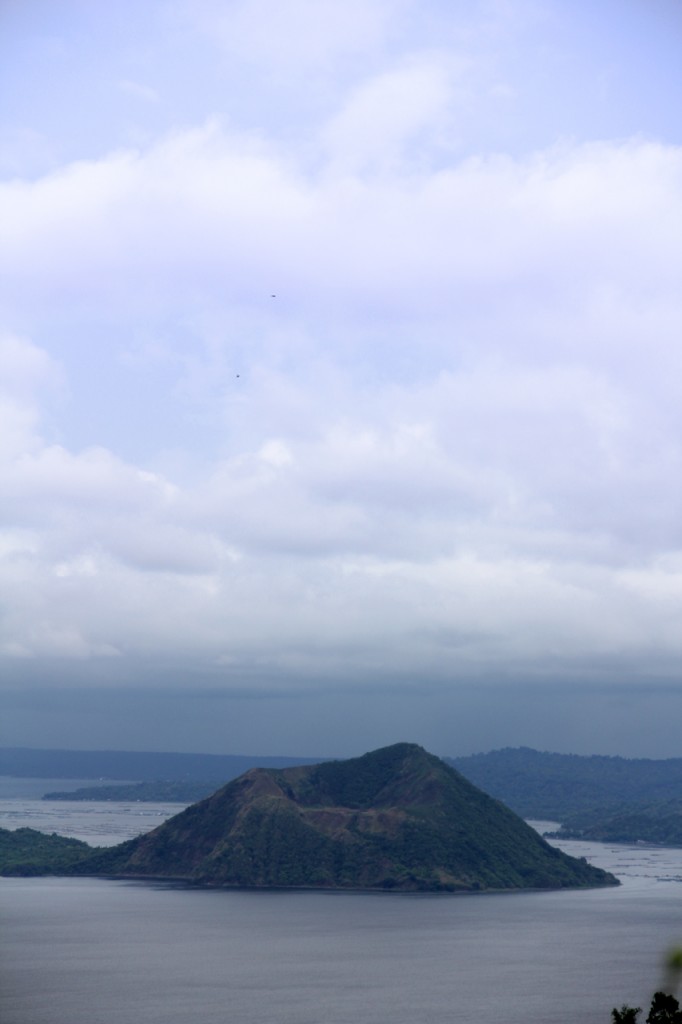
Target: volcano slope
column 397, row 818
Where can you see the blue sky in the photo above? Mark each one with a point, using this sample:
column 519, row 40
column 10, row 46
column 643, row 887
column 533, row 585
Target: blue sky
column 339, row 375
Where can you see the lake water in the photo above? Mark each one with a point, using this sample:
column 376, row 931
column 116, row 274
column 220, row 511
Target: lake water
column 100, row 824
column 90, row 951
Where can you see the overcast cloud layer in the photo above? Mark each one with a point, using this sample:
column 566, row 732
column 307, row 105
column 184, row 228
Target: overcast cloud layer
column 340, row 362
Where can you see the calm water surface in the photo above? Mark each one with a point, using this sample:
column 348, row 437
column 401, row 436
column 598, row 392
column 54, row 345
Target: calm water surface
column 98, row 823
column 86, row 951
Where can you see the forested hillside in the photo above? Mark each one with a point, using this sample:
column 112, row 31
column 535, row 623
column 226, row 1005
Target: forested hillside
column 396, row 818
column 659, row 823
column 556, row 786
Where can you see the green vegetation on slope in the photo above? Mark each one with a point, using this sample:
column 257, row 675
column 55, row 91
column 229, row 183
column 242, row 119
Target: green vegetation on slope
column 543, row 785
column 659, row 823
column 394, row 818
column 28, row 852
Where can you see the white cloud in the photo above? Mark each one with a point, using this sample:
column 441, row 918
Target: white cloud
column 385, row 115
column 205, row 217
column 454, row 439
column 26, row 373
column 402, row 544
column 24, row 368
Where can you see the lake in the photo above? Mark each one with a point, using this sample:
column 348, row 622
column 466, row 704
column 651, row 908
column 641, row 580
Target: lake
column 98, row 823
column 90, row 951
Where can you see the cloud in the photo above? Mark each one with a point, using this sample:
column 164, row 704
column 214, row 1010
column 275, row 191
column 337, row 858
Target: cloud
column 386, row 114
column 382, row 550
column 217, row 218
column 25, row 367
column 26, row 373
column 450, row 444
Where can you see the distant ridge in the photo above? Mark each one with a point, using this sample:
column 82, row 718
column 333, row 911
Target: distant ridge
column 534, row 784
column 538, row 784
column 396, row 818
column 143, row 766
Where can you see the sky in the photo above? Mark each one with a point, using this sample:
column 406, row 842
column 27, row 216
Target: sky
column 340, row 375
